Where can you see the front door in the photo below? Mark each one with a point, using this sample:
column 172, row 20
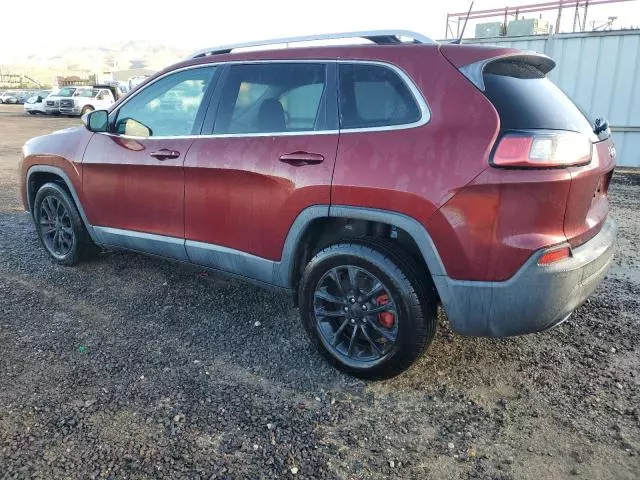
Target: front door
column 133, row 178
column 271, row 155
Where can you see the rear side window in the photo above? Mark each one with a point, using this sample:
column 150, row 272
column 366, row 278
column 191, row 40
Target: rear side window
column 526, row 99
column 374, row 96
column 272, row 98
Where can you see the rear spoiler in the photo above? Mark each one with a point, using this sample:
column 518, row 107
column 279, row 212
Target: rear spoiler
column 474, row 71
column 472, row 60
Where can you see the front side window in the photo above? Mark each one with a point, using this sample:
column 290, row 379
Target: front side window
column 272, row 98
column 167, row 107
column 374, row 96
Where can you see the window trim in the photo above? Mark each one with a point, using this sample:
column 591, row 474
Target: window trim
column 425, row 112
column 211, row 98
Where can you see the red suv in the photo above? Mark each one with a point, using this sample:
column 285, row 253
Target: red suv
column 373, row 182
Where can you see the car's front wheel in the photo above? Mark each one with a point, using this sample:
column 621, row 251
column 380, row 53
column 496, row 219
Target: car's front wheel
column 369, row 308
column 59, row 225
column 86, row 109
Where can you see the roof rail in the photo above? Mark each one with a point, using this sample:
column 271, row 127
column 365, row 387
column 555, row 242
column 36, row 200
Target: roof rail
column 380, row 37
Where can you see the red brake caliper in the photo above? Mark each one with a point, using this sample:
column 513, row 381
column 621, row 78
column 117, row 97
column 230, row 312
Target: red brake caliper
column 386, row 319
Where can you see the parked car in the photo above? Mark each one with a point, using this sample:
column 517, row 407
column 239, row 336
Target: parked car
column 372, row 182
column 22, row 96
column 52, row 103
column 35, row 103
column 9, row 97
column 86, row 99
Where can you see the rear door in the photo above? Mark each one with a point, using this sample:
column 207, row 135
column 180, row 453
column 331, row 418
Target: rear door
column 270, row 154
column 133, row 178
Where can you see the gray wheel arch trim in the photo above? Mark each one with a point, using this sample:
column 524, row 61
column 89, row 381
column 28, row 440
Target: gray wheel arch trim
column 284, row 273
column 65, row 178
column 410, row 225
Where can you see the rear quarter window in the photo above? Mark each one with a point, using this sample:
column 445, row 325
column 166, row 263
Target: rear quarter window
column 526, row 99
column 374, row 96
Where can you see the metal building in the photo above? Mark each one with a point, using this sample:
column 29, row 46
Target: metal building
column 600, row 71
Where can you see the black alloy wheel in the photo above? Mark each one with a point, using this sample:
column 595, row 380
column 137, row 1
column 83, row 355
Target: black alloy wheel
column 55, row 227
column 355, row 315
column 60, row 227
column 368, row 307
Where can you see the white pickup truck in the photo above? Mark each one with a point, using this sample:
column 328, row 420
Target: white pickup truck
column 87, row 99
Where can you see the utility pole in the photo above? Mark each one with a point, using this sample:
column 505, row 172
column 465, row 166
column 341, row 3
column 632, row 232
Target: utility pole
column 559, row 17
column 584, row 15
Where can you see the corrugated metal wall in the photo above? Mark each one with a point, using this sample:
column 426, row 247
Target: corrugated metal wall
column 600, row 71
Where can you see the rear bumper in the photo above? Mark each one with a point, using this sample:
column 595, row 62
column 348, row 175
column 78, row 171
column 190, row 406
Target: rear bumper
column 535, row 298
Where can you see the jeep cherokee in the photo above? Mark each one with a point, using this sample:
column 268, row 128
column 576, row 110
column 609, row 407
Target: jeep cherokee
column 373, row 182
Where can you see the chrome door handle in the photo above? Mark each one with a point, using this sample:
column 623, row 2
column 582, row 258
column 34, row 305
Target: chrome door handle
column 298, row 159
column 165, row 153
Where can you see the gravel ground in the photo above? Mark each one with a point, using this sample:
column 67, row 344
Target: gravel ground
column 129, row 367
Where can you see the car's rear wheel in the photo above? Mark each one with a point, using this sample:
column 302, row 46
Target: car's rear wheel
column 368, row 307
column 60, row 227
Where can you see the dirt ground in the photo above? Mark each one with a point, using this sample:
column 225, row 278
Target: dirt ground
column 129, row 367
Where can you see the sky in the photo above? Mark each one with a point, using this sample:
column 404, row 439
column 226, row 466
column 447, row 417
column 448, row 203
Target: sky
column 193, row 24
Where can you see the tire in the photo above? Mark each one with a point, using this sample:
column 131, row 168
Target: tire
column 407, row 294
column 31, row 112
column 87, row 109
column 54, row 209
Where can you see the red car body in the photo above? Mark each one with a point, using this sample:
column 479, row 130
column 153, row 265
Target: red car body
column 479, row 229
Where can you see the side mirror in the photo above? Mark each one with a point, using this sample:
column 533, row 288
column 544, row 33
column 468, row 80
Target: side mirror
column 39, row 100
column 97, row 121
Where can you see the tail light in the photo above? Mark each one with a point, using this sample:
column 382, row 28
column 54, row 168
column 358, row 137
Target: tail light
column 542, row 150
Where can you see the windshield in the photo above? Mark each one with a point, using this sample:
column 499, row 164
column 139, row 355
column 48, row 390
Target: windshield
column 66, row 92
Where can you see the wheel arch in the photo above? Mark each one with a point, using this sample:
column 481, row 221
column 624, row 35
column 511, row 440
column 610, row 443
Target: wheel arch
column 312, row 224
column 38, row 175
